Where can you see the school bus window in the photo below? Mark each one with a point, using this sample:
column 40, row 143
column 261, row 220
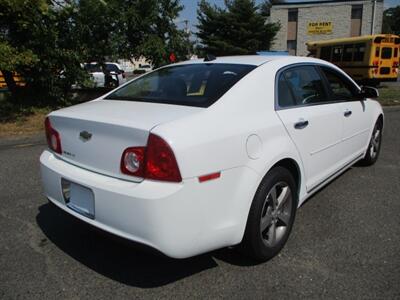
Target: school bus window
column 396, row 51
column 348, row 52
column 386, row 53
column 377, row 50
column 337, row 53
column 326, row 53
column 359, row 51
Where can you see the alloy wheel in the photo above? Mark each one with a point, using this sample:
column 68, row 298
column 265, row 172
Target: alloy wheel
column 276, row 214
column 375, row 142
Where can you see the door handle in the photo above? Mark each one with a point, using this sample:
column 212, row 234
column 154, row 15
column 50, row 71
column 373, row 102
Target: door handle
column 301, row 124
column 347, row 113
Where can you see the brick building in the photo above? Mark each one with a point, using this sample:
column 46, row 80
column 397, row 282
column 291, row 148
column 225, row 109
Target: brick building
column 322, row 20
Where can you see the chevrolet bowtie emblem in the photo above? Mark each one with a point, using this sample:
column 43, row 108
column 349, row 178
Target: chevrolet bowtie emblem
column 85, row 136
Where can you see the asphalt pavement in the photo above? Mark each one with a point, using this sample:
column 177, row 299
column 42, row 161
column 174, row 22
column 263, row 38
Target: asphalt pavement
column 344, row 245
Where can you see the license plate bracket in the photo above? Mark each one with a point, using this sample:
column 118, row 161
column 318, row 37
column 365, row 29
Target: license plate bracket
column 78, row 198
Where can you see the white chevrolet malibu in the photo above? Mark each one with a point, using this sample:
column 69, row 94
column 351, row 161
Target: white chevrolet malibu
column 210, row 153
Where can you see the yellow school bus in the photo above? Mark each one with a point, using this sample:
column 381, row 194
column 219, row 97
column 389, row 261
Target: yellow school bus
column 368, row 59
column 19, row 81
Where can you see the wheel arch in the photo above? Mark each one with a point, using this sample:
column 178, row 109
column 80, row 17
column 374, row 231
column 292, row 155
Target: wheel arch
column 380, row 119
column 293, row 167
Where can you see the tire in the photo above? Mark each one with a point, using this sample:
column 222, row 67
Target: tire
column 374, row 146
column 269, row 223
column 113, row 84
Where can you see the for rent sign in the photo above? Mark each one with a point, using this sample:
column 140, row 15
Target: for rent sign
column 319, row 27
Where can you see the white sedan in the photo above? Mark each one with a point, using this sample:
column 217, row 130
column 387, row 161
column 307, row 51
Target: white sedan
column 210, row 153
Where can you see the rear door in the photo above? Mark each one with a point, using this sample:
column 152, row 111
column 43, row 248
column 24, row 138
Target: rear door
column 386, row 62
column 355, row 113
column 313, row 122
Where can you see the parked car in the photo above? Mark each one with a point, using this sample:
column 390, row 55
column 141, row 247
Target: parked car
column 143, row 69
column 210, row 153
column 112, row 75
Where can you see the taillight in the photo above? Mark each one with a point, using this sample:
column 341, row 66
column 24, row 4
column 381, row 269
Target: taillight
column 160, row 161
column 53, row 137
column 156, row 161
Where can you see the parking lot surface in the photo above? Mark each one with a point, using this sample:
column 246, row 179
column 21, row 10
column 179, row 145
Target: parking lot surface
column 345, row 243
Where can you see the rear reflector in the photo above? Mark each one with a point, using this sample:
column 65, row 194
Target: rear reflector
column 209, row 177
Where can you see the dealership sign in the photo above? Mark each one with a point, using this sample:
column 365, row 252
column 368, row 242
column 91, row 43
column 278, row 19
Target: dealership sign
column 319, row 27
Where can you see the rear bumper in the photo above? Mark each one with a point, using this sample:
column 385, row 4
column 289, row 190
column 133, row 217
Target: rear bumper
column 178, row 219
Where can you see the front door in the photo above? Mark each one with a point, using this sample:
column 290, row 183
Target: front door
column 313, row 122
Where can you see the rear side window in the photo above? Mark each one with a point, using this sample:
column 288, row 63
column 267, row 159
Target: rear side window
column 112, row 68
column 377, row 51
column 341, row 88
column 359, row 51
column 285, row 96
column 326, row 53
column 305, row 86
column 348, row 53
column 194, row 84
column 337, row 53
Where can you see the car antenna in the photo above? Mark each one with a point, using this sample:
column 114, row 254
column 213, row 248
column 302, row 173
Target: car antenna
column 209, row 57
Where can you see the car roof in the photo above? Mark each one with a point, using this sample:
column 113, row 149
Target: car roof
column 255, row 60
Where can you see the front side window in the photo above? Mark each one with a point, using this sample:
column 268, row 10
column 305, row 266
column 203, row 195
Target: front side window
column 194, row 84
column 305, row 85
column 341, row 88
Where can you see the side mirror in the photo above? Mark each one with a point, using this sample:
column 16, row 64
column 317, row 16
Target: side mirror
column 368, row 92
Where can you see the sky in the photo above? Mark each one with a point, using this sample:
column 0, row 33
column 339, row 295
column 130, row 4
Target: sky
column 190, row 9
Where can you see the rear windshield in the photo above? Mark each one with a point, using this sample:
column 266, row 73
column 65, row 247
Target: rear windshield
column 193, row 85
column 92, row 68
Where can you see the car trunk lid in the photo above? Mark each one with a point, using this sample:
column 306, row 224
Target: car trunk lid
column 95, row 134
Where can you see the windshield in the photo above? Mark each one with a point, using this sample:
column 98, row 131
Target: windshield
column 193, row 85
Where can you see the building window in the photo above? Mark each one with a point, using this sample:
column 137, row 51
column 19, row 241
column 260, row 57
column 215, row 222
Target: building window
column 291, row 47
column 292, row 31
column 356, row 12
column 356, row 19
column 292, row 15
